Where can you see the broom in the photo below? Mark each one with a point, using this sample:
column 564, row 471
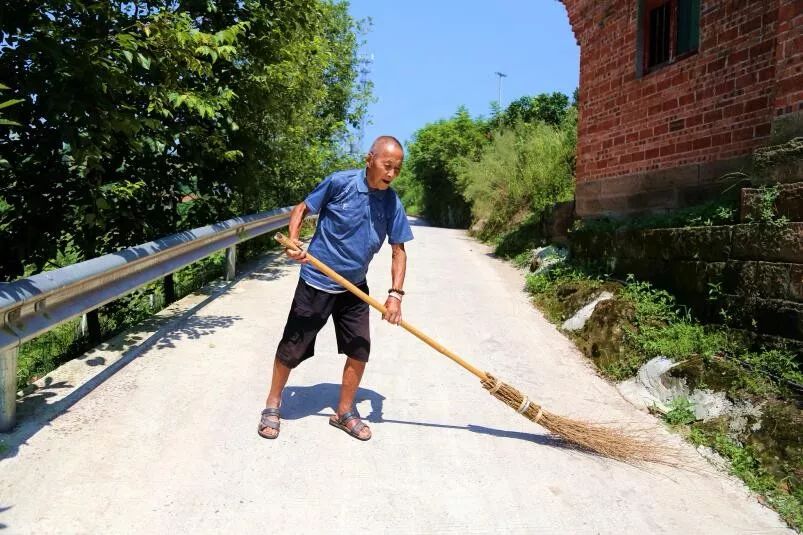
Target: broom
column 595, row 438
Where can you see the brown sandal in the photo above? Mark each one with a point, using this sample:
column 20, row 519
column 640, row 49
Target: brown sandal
column 264, row 423
column 341, row 421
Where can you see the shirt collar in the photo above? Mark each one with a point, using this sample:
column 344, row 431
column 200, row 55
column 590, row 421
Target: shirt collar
column 362, row 186
column 362, row 182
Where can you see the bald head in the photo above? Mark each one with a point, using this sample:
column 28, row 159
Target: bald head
column 386, row 143
column 383, row 162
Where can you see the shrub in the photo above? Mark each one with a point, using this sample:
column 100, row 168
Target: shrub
column 521, row 172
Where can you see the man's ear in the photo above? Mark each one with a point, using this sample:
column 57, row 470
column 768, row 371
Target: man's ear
column 368, row 158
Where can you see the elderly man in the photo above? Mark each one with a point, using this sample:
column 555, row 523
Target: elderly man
column 357, row 210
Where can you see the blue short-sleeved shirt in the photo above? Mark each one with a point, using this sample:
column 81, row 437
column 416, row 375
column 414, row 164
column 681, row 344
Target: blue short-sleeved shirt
column 353, row 222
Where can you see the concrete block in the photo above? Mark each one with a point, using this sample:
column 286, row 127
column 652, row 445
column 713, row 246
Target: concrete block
column 772, row 244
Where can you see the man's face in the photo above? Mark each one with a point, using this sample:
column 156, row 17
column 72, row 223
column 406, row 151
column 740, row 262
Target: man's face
column 383, row 166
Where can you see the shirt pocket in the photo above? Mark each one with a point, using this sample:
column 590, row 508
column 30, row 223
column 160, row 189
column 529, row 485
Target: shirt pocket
column 346, row 216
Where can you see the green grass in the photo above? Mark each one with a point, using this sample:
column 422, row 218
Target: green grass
column 663, row 328
column 544, row 288
column 678, row 340
column 522, row 171
column 46, row 352
column 681, row 412
column 775, row 362
column 522, row 259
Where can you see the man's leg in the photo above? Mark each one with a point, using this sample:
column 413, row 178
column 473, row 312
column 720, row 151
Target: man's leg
column 280, row 375
column 352, row 322
column 308, row 314
column 352, row 375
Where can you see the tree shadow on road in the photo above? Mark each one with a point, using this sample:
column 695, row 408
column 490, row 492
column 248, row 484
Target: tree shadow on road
column 2, row 510
column 195, row 327
column 36, row 409
column 322, row 399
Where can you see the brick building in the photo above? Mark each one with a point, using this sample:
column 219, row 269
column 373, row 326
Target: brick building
column 676, row 93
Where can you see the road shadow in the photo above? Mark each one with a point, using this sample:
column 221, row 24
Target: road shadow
column 195, row 327
column 35, row 410
column 322, row 399
column 267, row 267
column 3, row 510
column 417, row 221
column 302, row 401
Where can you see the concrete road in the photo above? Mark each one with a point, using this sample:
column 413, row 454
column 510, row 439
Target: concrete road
column 168, row 444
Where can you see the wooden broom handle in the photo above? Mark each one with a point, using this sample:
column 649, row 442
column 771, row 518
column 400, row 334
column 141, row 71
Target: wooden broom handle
column 332, row 274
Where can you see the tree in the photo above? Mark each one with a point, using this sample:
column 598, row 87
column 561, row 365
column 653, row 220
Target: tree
column 433, row 160
column 547, row 108
column 109, row 106
column 127, row 108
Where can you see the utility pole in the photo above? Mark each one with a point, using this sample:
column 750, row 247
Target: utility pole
column 499, row 88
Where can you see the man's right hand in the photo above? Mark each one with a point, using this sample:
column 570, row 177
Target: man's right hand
column 299, row 255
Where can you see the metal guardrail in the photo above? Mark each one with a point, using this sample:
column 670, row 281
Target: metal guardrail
column 30, row 307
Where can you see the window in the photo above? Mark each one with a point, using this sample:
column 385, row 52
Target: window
column 669, row 31
column 688, row 34
column 658, row 35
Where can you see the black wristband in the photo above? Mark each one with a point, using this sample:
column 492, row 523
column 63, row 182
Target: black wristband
column 396, row 290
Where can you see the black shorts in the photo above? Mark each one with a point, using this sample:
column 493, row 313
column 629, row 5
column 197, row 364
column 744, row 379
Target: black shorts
column 308, row 314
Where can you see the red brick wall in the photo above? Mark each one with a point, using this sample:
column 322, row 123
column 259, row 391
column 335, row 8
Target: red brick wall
column 789, row 58
column 713, row 106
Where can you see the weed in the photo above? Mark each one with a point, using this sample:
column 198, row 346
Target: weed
column 776, row 363
column 681, row 412
column 523, row 259
column 766, row 214
column 652, row 305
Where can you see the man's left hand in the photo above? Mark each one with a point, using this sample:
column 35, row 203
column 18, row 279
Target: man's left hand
column 393, row 314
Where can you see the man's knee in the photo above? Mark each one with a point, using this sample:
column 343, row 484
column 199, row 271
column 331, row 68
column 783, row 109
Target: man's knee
column 356, row 362
column 289, row 363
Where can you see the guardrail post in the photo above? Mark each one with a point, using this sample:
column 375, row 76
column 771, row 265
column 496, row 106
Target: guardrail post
column 8, row 388
column 169, row 289
column 93, row 325
column 231, row 262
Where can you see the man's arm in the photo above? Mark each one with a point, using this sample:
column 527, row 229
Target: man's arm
column 398, row 267
column 294, row 228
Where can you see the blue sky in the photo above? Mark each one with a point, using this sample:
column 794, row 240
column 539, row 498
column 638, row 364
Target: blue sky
column 431, row 57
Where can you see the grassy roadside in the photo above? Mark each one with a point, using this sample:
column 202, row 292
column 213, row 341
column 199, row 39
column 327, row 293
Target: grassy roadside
column 642, row 322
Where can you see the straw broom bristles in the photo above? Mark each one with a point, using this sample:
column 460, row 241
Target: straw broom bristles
column 608, row 442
